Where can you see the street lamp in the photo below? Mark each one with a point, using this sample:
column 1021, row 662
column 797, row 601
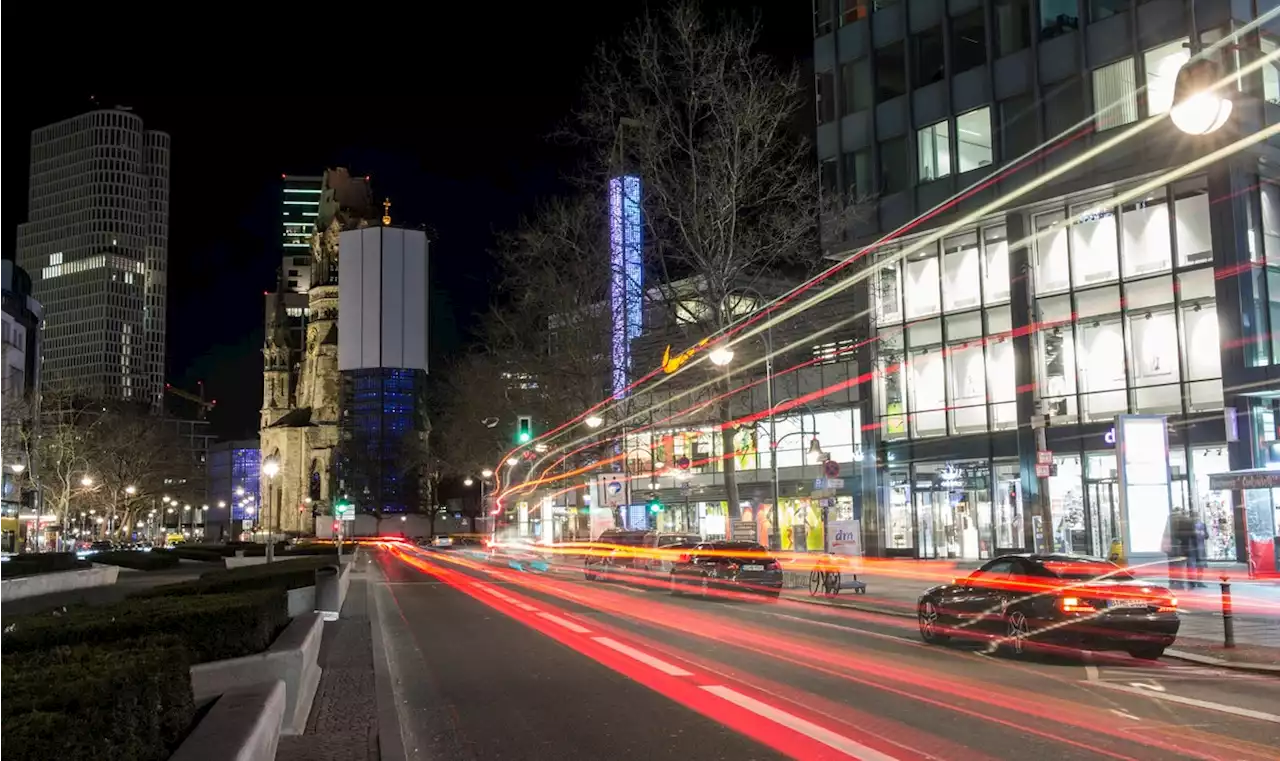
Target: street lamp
column 1199, row 104
column 594, row 421
column 486, row 473
column 86, row 482
column 17, row 468
column 468, row 481
column 721, row 356
column 270, row 468
column 513, row 461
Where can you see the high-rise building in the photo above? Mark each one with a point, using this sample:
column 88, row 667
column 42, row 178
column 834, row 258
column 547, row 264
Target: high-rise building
column 299, row 207
column 97, row 246
column 1046, row 251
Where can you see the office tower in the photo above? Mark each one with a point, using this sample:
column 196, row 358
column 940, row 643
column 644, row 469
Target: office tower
column 97, row 246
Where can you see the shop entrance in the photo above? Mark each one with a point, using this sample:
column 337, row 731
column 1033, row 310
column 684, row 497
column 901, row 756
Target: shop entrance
column 1104, row 515
column 932, row 519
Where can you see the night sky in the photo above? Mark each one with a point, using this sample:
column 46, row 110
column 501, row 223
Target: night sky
column 449, row 115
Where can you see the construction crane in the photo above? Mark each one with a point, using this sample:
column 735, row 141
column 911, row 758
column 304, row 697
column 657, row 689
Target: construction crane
column 201, row 405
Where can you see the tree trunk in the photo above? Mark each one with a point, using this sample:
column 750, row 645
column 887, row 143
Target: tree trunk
column 377, row 525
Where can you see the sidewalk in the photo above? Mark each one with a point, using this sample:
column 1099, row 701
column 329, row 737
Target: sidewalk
column 343, row 725
column 1200, row 638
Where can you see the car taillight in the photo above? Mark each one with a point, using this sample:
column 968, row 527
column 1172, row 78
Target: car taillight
column 1168, row 606
column 1075, row 605
column 731, row 566
column 685, row 558
column 772, row 565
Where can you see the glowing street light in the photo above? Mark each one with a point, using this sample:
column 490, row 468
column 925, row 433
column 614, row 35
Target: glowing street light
column 1199, row 107
column 486, row 473
column 86, row 481
column 468, row 481
column 131, row 490
column 594, row 421
column 513, row 461
column 721, row 356
column 270, row 468
column 17, row 468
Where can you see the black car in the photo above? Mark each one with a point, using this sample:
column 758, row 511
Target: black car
column 618, row 553
column 740, row 566
column 1070, row 600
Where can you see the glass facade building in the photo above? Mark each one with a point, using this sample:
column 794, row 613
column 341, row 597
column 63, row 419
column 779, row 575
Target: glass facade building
column 1079, row 302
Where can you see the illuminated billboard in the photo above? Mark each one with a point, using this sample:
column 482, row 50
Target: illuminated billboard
column 626, row 244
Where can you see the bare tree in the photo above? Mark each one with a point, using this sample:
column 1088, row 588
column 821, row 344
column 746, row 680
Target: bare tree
column 62, row 452
column 730, row 192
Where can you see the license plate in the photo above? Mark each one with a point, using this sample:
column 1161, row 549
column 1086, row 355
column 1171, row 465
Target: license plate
column 753, row 568
column 1128, row 604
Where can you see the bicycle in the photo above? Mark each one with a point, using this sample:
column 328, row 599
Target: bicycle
column 827, row 579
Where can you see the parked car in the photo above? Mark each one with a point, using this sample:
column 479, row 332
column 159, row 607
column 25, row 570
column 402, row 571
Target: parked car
column 621, row 552
column 738, row 566
column 1076, row 601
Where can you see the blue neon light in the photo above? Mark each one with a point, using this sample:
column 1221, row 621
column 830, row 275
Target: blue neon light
column 626, row 242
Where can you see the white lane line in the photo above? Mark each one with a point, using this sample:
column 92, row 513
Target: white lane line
column 526, row 606
column 1248, row 713
column 566, row 623
column 495, row 593
column 825, row 736
column 666, row 668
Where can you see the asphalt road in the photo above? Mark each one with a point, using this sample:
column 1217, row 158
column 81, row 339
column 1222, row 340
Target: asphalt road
column 496, row 663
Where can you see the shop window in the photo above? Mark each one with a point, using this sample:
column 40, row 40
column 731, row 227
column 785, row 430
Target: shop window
column 995, row 266
column 1153, row 350
column 1201, row 344
column 888, row 290
column 1094, row 258
column 895, row 168
column 857, row 175
column 1007, row 506
column 1191, row 224
column 1019, row 133
column 826, row 96
column 933, row 144
column 855, row 81
column 1001, row 373
column 1115, row 95
column 1058, row 17
column 901, row 534
column 1271, row 222
column 961, row 272
column 968, row 41
column 1270, row 70
column 891, row 386
column 927, row 55
column 891, row 71
column 1100, row 336
column 1066, row 505
column 1213, row 508
column 927, row 380
column 1145, row 241
column 1013, row 25
column 1100, row 9
column 966, row 373
column 920, row 283
column 1162, row 65
column 1057, row 344
column 973, row 139
column 1052, row 265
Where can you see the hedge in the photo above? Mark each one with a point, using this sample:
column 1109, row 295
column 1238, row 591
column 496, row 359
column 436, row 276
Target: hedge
column 280, row 575
column 132, row 700
column 32, row 563
column 154, row 560
column 211, row 626
column 203, row 554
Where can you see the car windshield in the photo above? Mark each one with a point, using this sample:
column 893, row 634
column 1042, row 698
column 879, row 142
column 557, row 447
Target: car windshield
column 1078, row 569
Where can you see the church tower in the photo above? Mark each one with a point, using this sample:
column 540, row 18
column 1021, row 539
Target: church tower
column 276, row 401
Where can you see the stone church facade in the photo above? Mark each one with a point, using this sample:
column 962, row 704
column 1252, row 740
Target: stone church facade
column 299, row 428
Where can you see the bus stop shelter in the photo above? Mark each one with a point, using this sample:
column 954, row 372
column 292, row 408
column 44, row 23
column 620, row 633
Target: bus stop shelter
column 1256, row 493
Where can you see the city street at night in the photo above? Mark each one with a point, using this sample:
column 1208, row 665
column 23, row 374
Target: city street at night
column 493, row 662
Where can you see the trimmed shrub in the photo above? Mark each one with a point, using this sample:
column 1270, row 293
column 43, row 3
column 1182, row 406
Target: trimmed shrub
column 211, row 626
column 301, row 550
column 202, row 554
column 154, row 560
column 132, row 700
column 281, row 575
column 40, row 562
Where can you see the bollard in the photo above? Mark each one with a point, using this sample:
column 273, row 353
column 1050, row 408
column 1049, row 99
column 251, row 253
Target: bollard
column 1228, row 626
column 327, row 592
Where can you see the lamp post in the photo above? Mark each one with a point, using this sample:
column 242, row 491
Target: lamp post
column 270, row 468
column 1199, row 104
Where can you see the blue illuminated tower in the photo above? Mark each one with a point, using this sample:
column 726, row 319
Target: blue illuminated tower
column 626, row 246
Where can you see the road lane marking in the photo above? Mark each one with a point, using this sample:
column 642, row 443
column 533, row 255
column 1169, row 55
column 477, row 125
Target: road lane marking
column 500, row 595
column 566, row 623
column 1248, row 713
column 825, row 736
column 666, row 668
column 525, row 606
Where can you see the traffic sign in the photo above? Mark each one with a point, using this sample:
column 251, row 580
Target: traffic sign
column 1044, row 457
column 831, row 468
column 1042, row 470
column 683, row 463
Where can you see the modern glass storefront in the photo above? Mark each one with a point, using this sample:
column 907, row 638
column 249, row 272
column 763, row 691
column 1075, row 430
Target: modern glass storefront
column 1121, row 310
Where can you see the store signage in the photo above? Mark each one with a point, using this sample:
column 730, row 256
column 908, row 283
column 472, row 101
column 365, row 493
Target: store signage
column 951, row 478
column 1258, row 479
column 1110, row 436
column 1146, row 498
column 846, row 538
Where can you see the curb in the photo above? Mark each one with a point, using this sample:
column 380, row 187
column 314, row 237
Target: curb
column 390, row 741
column 1203, row 660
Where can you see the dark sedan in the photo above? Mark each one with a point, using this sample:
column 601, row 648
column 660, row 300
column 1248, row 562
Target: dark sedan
column 740, row 566
column 1068, row 600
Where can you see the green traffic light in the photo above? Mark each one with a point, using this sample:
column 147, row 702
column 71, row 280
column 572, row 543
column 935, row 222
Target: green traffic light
column 524, row 437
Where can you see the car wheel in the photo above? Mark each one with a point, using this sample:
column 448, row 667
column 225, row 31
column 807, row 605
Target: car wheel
column 1017, row 631
column 927, row 616
column 1147, row 652
column 675, row 585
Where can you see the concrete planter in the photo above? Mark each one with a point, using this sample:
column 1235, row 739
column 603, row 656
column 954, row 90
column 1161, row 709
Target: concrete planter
column 292, row 659
column 58, row 581
column 244, row 725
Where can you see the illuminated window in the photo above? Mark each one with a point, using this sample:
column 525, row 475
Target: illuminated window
column 1115, row 95
column 973, row 139
column 934, row 150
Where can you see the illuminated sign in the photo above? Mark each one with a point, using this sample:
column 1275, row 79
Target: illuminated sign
column 1110, row 436
column 670, row 364
column 626, row 243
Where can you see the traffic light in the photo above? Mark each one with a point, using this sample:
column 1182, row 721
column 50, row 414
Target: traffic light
column 342, row 506
column 524, row 429
column 655, row 504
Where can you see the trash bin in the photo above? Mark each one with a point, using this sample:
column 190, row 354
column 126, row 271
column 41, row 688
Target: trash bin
column 327, row 592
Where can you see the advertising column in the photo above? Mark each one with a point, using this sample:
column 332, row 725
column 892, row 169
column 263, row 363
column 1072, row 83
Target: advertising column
column 1146, row 498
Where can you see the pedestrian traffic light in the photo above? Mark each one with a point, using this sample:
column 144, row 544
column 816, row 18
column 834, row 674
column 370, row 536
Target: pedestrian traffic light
column 343, row 507
column 524, row 429
column 655, row 504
